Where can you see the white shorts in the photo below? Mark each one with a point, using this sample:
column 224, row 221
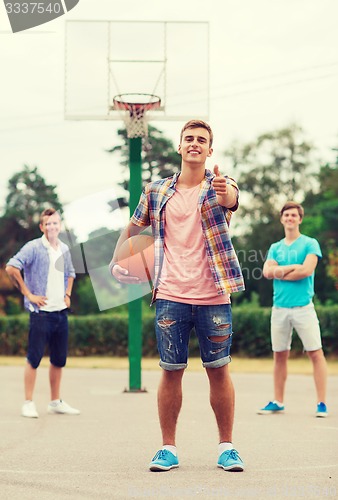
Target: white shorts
column 303, row 319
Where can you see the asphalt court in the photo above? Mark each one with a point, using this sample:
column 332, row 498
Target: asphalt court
column 104, row 452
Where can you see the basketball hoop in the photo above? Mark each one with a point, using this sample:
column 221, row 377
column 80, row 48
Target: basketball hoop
column 135, row 107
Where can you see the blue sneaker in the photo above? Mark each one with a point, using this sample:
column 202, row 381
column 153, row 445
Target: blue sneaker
column 231, row 461
column 163, row 460
column 321, row 410
column 271, row 407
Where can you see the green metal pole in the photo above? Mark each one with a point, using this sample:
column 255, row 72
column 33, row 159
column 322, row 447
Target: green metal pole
column 135, row 306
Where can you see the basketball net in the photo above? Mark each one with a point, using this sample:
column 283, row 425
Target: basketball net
column 134, row 113
column 135, row 120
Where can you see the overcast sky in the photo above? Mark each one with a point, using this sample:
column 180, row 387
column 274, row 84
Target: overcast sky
column 272, row 62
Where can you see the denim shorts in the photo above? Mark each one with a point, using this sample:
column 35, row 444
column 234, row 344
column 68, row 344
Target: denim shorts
column 173, row 324
column 49, row 328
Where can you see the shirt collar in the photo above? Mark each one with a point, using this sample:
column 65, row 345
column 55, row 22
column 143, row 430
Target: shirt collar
column 46, row 243
column 174, row 179
column 208, row 175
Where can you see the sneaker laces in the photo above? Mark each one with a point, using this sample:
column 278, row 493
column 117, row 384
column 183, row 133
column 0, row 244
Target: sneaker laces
column 161, row 455
column 232, row 454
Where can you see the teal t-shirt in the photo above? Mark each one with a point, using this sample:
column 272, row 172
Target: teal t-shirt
column 293, row 293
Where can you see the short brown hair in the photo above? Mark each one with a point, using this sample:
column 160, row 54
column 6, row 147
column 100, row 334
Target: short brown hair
column 198, row 124
column 46, row 213
column 293, row 204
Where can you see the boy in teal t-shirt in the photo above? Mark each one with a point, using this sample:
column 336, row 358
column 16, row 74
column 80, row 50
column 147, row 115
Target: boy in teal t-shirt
column 291, row 263
column 299, row 292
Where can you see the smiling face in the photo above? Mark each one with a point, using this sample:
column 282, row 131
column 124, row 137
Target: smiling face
column 51, row 226
column 195, row 145
column 291, row 219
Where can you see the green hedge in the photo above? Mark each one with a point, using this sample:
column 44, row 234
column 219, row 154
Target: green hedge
column 251, row 327
column 107, row 334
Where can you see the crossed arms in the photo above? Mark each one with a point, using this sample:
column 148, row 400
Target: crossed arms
column 292, row 272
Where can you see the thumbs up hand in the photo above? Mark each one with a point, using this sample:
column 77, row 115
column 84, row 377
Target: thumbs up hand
column 219, row 182
column 226, row 193
column 216, row 171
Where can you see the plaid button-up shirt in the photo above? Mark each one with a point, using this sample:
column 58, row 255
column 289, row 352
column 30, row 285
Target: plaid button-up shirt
column 215, row 220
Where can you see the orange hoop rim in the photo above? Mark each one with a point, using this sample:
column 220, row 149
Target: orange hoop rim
column 136, row 102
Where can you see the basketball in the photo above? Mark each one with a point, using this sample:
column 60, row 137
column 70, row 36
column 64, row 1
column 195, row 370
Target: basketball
column 136, row 255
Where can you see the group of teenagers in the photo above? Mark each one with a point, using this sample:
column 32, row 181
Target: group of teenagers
column 196, row 271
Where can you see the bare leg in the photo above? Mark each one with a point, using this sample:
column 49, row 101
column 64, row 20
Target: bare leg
column 319, row 373
column 169, row 400
column 222, row 400
column 29, row 381
column 280, row 373
column 55, row 374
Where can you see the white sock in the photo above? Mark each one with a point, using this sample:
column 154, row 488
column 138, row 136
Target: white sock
column 278, row 403
column 224, row 446
column 170, row 448
column 55, row 401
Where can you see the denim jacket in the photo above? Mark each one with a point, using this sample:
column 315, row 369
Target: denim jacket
column 33, row 259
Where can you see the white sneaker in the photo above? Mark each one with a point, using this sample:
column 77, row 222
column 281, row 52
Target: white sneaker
column 62, row 407
column 29, row 410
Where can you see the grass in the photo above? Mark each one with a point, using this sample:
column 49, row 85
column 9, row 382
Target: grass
column 239, row 365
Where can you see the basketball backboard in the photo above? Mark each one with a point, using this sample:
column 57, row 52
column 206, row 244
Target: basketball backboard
column 167, row 58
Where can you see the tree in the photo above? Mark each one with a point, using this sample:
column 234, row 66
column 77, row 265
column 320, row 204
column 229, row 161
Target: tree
column 28, row 195
column 320, row 222
column 159, row 156
column 276, row 167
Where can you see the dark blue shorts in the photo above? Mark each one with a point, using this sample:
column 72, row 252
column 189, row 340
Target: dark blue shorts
column 48, row 328
column 173, row 324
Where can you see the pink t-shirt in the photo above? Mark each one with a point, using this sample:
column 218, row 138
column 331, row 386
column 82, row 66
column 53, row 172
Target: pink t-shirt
column 185, row 275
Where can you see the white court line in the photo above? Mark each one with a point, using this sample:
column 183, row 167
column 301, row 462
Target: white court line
column 56, row 473
column 324, row 428
column 40, row 419
column 18, row 421
column 306, row 467
column 53, row 473
column 104, row 392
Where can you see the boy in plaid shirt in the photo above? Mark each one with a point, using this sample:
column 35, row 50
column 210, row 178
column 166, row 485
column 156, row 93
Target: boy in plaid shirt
column 196, row 269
